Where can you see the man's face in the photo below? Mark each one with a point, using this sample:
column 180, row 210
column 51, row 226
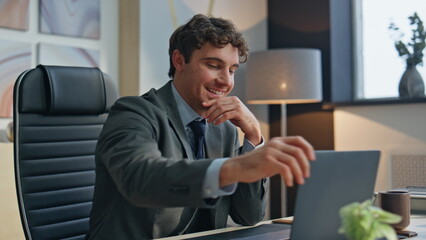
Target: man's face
column 208, row 75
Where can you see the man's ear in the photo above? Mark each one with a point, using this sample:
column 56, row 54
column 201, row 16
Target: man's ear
column 178, row 60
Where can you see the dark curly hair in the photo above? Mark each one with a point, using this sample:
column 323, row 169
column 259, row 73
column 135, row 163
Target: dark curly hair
column 201, row 29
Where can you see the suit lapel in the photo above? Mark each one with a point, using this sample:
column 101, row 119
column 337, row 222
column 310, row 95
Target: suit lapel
column 165, row 97
column 214, row 138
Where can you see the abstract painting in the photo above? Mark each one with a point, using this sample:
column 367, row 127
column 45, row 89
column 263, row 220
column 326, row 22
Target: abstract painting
column 52, row 54
column 76, row 18
column 15, row 57
column 14, row 14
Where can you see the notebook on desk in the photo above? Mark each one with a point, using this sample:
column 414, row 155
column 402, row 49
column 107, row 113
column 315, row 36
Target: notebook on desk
column 337, row 178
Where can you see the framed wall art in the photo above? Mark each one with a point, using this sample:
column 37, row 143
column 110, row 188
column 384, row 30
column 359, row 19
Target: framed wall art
column 14, row 14
column 75, row 18
column 15, row 57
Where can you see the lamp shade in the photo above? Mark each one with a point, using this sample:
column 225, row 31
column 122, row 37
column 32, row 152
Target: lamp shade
column 282, row 76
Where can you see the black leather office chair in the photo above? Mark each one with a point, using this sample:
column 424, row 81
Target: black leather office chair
column 58, row 115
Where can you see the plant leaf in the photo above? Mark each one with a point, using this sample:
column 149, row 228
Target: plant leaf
column 384, row 216
column 362, row 221
column 388, row 232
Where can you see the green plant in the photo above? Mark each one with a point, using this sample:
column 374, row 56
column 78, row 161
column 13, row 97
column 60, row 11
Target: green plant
column 412, row 52
column 363, row 221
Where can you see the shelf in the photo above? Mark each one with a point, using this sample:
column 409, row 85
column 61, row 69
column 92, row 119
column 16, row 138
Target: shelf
column 371, row 102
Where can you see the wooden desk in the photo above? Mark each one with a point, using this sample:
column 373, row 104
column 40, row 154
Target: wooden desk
column 417, row 224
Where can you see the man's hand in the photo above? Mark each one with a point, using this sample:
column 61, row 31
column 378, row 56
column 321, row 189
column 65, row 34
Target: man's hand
column 232, row 109
column 287, row 156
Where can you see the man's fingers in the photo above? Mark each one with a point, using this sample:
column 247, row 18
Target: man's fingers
column 295, row 153
column 217, row 107
column 303, row 144
column 223, row 100
column 220, row 110
column 287, row 156
column 222, row 118
column 295, row 170
column 219, row 114
column 286, row 175
column 300, row 157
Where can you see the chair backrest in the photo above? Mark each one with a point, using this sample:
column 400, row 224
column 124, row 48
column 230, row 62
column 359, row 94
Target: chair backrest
column 58, row 115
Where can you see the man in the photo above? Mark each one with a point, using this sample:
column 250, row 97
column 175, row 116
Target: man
column 155, row 179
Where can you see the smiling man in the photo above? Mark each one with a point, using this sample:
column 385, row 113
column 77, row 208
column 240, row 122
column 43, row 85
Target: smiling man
column 169, row 162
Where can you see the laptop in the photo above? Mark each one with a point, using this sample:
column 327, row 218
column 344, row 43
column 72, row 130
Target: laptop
column 337, row 179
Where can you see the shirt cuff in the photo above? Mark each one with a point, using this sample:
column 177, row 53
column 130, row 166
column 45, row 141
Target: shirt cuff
column 211, row 187
column 248, row 146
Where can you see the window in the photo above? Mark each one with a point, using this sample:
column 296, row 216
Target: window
column 378, row 68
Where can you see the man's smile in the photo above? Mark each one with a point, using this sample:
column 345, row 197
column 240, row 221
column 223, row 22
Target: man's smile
column 216, row 92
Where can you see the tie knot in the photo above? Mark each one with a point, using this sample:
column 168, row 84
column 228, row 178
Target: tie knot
column 198, row 127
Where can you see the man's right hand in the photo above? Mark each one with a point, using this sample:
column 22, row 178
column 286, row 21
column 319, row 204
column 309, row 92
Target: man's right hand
column 287, row 156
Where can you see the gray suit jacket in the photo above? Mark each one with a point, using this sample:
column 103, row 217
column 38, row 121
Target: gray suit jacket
column 148, row 185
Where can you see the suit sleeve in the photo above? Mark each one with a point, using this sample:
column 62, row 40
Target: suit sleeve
column 248, row 203
column 149, row 169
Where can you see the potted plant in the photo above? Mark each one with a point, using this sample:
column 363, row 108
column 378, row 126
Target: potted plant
column 363, row 221
column 411, row 84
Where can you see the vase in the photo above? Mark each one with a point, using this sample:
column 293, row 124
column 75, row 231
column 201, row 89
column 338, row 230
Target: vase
column 411, row 84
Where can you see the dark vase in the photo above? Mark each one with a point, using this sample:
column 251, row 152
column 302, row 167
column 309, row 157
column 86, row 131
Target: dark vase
column 411, row 84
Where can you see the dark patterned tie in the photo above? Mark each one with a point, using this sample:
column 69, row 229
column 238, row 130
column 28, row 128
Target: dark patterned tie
column 198, row 129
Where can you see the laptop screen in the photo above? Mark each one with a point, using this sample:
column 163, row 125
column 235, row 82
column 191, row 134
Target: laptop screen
column 337, row 179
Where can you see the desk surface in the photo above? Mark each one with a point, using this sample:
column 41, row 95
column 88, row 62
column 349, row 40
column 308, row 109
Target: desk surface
column 417, row 224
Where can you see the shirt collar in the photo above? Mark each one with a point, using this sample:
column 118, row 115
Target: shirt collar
column 186, row 113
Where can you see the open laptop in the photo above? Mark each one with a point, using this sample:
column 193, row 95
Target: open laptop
column 337, row 179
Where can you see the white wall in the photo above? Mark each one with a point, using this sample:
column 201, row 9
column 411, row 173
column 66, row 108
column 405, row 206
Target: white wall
column 393, row 129
column 107, row 44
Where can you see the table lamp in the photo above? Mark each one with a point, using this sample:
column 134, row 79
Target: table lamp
column 279, row 77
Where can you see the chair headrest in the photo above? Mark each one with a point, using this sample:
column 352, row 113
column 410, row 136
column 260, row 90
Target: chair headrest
column 61, row 90
column 72, row 89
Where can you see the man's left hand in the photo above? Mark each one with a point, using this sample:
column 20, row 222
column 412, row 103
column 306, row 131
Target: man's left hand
column 232, row 109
